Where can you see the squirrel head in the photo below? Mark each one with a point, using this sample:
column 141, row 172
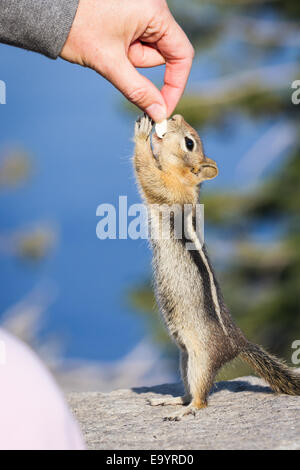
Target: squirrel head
column 180, row 152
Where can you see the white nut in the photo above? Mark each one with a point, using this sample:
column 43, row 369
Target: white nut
column 161, row 128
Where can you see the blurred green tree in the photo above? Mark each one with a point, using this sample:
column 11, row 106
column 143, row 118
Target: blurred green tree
column 260, row 279
column 34, row 243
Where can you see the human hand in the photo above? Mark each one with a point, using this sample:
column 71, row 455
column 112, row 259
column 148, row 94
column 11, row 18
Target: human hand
column 113, row 37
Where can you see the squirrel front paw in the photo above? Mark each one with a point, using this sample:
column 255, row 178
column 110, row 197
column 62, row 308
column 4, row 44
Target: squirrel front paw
column 143, row 127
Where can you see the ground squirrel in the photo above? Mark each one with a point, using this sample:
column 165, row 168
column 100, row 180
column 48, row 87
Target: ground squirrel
column 169, row 170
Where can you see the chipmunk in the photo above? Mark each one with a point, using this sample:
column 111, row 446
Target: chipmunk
column 188, row 294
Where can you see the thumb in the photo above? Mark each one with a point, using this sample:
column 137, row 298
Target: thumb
column 137, row 89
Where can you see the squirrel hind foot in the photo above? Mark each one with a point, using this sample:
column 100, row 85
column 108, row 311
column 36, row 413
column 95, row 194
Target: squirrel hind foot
column 173, row 401
column 191, row 409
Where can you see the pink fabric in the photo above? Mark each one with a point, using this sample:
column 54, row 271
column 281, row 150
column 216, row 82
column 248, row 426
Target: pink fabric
column 33, row 412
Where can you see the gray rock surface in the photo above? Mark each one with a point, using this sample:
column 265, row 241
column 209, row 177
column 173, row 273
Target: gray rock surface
column 242, row 414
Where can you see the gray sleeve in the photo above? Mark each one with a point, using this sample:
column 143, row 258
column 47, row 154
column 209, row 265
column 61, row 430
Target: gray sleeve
column 38, row 25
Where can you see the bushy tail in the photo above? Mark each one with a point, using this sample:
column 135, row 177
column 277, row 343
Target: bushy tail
column 280, row 377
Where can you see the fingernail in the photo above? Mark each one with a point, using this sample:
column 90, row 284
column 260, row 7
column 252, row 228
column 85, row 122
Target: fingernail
column 157, row 112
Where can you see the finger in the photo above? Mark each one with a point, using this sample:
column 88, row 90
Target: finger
column 178, row 53
column 144, row 55
column 176, row 76
column 136, row 88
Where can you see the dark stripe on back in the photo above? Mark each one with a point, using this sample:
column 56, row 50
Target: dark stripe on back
column 195, row 256
column 209, row 305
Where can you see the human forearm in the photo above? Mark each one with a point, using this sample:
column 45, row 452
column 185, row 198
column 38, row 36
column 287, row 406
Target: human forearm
column 38, row 25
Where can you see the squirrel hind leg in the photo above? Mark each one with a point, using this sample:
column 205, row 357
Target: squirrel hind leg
column 198, row 374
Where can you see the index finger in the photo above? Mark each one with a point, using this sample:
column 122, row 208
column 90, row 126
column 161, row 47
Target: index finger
column 178, row 52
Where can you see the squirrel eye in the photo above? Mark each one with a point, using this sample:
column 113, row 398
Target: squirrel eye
column 189, row 143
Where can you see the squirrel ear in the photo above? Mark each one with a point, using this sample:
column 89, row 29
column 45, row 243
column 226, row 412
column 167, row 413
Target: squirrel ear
column 208, row 171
